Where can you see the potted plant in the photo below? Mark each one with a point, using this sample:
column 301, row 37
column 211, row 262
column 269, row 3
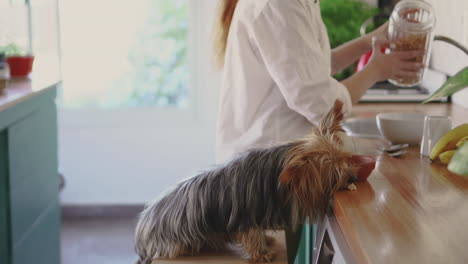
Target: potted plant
column 20, row 62
column 454, row 84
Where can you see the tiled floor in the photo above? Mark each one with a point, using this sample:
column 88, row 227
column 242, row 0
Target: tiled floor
column 110, row 241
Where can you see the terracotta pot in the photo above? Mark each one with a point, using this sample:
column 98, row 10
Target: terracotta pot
column 20, row 66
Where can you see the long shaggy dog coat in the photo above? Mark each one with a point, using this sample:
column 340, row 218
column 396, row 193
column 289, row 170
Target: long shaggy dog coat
column 262, row 189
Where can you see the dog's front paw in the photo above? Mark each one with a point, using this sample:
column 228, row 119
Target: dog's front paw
column 266, row 257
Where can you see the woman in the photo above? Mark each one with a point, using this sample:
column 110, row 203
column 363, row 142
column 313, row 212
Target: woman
column 277, row 71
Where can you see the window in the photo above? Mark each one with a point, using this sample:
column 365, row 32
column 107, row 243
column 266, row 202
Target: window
column 125, row 53
column 14, row 33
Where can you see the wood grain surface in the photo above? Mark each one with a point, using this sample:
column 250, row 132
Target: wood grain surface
column 458, row 114
column 410, row 210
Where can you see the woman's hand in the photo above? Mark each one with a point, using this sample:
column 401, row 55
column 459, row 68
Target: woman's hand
column 396, row 65
column 380, row 33
column 350, row 52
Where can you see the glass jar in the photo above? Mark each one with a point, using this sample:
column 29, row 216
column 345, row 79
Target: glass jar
column 411, row 28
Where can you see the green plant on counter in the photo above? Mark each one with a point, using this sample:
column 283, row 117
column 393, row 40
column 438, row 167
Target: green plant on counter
column 454, row 84
column 459, row 163
column 12, row 50
column 343, row 19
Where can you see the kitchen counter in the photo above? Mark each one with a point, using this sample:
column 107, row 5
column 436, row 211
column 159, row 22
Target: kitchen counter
column 29, row 180
column 22, row 89
column 409, row 210
column 458, row 114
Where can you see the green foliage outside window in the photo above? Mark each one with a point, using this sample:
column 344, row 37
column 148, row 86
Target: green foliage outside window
column 343, row 19
column 161, row 78
column 160, row 70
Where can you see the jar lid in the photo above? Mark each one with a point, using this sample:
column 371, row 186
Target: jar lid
column 414, row 15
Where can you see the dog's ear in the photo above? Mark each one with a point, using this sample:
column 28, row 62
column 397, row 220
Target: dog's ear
column 331, row 122
column 303, row 180
column 299, row 175
column 312, row 177
column 292, row 173
column 287, row 175
column 298, row 166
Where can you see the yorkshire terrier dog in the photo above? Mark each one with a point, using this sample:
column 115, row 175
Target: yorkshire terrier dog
column 237, row 202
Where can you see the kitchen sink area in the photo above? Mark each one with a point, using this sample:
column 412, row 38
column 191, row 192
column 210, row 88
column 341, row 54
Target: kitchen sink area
column 388, row 92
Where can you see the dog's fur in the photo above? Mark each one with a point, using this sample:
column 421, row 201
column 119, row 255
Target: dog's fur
column 262, row 189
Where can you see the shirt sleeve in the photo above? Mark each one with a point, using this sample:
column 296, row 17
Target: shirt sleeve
column 286, row 36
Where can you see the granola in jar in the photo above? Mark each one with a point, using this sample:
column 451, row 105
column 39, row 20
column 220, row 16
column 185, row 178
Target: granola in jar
column 411, row 28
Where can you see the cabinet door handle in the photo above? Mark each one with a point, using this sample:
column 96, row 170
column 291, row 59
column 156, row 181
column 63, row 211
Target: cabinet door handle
column 61, row 181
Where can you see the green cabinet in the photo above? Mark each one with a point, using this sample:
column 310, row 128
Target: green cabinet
column 29, row 182
column 300, row 244
column 5, row 235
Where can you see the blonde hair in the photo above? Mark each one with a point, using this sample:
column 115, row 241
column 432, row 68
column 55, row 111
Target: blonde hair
column 222, row 25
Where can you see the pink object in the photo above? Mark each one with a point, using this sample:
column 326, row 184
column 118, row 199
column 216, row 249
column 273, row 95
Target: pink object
column 363, row 61
column 366, row 165
column 20, row 66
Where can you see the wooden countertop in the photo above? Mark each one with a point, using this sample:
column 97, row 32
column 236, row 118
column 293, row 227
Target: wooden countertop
column 20, row 90
column 458, row 114
column 409, row 210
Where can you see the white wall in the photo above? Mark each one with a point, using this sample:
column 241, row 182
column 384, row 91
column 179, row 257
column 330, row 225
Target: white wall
column 105, row 163
column 452, row 21
column 131, row 156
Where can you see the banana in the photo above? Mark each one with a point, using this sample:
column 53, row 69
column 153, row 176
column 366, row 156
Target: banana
column 446, row 156
column 449, row 141
column 462, row 141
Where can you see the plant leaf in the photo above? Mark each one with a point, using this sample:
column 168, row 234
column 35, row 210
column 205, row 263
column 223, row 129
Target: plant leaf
column 454, row 84
column 459, row 162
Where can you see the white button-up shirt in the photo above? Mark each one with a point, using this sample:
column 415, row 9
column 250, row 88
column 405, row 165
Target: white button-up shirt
column 277, row 75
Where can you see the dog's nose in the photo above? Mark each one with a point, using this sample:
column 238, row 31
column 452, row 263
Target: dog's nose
column 352, row 179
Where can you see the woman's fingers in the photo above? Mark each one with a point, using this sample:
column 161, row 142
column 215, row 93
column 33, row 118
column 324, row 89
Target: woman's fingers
column 407, row 70
column 379, row 45
column 397, row 65
column 383, row 44
column 412, row 66
column 381, row 32
column 379, row 42
column 406, row 75
column 408, row 55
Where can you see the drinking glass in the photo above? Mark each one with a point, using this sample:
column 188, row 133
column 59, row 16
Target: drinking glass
column 434, row 128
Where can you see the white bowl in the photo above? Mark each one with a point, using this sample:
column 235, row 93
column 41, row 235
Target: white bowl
column 401, row 127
